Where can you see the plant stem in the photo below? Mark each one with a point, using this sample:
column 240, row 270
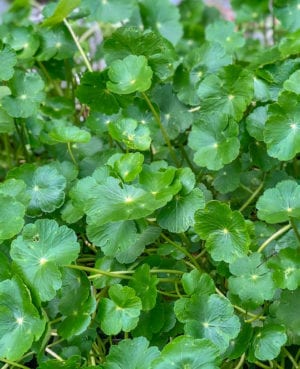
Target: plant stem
column 7, row 150
column 252, row 197
column 71, row 153
column 98, row 271
column 84, row 57
column 13, row 363
column 53, row 354
column 261, row 365
column 162, row 129
column 295, row 229
column 241, row 362
column 187, row 159
column 53, row 83
column 274, row 236
column 292, row 360
column 183, row 250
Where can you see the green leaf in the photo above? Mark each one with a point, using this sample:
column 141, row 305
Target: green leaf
column 131, row 354
column 255, row 122
column 228, row 178
column 287, row 13
column 267, row 342
column 61, row 131
column 119, row 312
column 144, row 285
column 6, row 122
column 72, row 363
column 224, row 33
column 292, row 84
column 229, row 92
column 128, row 166
column 18, row 319
column 8, row 60
column 110, row 11
column 198, row 283
column 40, row 251
column 286, row 312
column 126, row 41
column 286, row 269
column 163, row 17
column 210, row 317
column 215, row 141
column 56, row 43
column 281, row 133
column 12, row 214
column 62, row 10
column 174, row 115
column 187, row 352
column 93, row 92
column 278, row 204
column 224, row 230
column 45, row 186
column 129, row 75
column 27, row 95
column 178, row 215
column 24, row 40
column 133, row 134
column 252, row 279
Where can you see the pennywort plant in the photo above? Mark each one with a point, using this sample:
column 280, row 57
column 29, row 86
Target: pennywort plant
column 149, row 195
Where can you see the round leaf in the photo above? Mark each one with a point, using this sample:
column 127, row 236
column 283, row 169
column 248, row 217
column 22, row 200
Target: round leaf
column 19, row 319
column 8, row 60
column 280, row 203
column 129, row 75
column 12, row 215
column 39, row 252
column 225, row 231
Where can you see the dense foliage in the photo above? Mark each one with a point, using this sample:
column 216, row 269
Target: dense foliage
column 150, row 195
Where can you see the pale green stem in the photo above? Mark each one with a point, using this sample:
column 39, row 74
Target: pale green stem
column 252, row 197
column 241, row 362
column 295, row 229
column 292, row 360
column 53, row 354
column 274, row 236
column 77, row 43
column 98, row 271
column 13, row 363
column 71, row 153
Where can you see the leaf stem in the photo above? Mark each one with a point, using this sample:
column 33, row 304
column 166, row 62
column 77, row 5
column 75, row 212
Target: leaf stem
column 183, row 250
column 53, row 83
column 71, row 153
column 241, row 362
column 274, row 236
column 98, row 271
column 84, row 57
column 252, row 197
column 261, row 365
column 292, row 360
column 13, row 363
column 295, row 229
column 162, row 129
column 53, row 354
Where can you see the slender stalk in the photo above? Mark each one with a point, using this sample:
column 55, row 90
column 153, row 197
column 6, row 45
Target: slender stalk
column 52, row 82
column 241, row 362
column 187, row 159
column 292, row 360
column 71, row 153
column 183, row 250
column 53, row 354
column 77, row 43
column 295, row 229
column 13, row 363
column 98, row 271
column 162, row 129
column 274, row 236
column 7, row 150
column 261, row 365
column 252, row 197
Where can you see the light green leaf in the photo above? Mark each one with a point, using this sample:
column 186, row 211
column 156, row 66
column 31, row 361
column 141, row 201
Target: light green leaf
column 45, row 187
column 12, row 214
column 6, row 122
column 287, row 12
column 228, row 178
column 292, row 84
column 267, row 342
column 198, row 283
column 187, row 352
column 229, row 92
column 286, row 269
column 131, row 354
column 178, row 215
column 210, row 317
column 134, row 135
column 27, row 95
column 127, row 166
column 278, row 204
column 24, row 40
column 224, row 230
column 119, row 312
column 62, row 10
column 255, row 122
column 224, row 33
column 40, row 251
column 252, row 279
column 163, row 17
column 61, row 131
column 129, row 75
column 282, row 128
column 18, row 319
column 214, row 138
column 8, row 60
column 144, row 285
